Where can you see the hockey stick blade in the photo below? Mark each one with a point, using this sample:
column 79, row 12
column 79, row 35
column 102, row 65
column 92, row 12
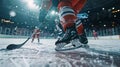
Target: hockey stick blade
column 15, row 46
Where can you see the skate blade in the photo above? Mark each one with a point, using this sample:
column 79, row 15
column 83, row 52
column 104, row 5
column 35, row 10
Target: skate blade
column 60, row 45
column 70, row 46
column 76, row 43
column 67, row 48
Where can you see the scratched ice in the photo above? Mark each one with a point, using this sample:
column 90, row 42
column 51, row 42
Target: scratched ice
column 106, row 54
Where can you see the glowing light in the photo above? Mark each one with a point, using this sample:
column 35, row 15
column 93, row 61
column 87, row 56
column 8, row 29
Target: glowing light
column 25, row 0
column 53, row 12
column 104, row 25
column 92, row 25
column 12, row 13
column 56, row 13
column 103, row 8
column 88, row 11
column 16, row 6
column 31, row 4
column 113, row 8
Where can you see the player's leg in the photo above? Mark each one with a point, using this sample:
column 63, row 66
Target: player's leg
column 79, row 5
column 59, row 28
column 38, row 37
column 82, row 37
column 33, row 37
column 81, row 33
column 80, row 29
column 67, row 18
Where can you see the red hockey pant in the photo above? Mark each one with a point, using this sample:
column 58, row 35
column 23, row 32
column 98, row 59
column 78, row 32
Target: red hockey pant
column 67, row 13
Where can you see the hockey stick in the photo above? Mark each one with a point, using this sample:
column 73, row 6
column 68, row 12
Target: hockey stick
column 15, row 46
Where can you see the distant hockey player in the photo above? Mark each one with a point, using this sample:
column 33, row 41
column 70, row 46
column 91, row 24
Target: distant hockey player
column 95, row 34
column 36, row 34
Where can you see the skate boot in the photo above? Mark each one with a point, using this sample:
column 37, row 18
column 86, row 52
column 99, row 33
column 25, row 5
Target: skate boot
column 70, row 36
column 83, row 39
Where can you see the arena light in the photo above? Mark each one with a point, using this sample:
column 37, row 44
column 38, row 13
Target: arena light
column 31, row 4
column 56, row 13
column 113, row 8
column 53, row 12
column 92, row 25
column 104, row 25
column 12, row 13
column 24, row 0
column 103, row 8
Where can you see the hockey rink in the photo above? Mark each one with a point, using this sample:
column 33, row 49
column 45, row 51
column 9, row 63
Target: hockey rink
column 106, row 53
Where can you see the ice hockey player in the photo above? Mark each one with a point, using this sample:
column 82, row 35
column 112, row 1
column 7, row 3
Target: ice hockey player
column 95, row 34
column 68, row 9
column 74, row 31
column 36, row 34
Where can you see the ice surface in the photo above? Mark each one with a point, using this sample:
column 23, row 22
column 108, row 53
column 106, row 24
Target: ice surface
column 43, row 54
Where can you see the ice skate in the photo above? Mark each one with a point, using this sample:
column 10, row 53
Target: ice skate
column 69, row 41
column 83, row 39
